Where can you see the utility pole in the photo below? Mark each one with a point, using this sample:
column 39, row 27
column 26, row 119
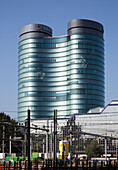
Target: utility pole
column 3, row 143
column 55, row 134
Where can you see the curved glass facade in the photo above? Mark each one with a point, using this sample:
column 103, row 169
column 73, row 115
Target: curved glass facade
column 63, row 73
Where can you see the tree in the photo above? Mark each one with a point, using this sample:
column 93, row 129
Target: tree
column 9, row 131
column 94, row 150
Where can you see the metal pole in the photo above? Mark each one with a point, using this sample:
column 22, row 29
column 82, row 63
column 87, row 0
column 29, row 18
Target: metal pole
column 70, row 148
column 47, row 139
column 10, row 145
column 55, row 133
column 116, row 149
column 43, row 147
column 14, row 131
column 37, row 145
column 51, row 144
column 25, row 142
column 70, row 145
column 30, row 147
column 106, row 149
column 36, row 137
column 28, row 140
column 3, row 142
column 22, row 149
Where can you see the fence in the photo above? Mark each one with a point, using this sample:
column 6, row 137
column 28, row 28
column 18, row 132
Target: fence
column 68, row 129
column 59, row 164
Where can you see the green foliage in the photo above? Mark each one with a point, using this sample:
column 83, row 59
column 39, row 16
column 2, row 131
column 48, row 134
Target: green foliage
column 94, row 150
column 6, row 118
column 9, row 131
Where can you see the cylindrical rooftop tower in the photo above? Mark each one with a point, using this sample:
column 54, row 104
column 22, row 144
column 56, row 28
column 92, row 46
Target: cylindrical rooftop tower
column 83, row 26
column 87, row 64
column 35, row 31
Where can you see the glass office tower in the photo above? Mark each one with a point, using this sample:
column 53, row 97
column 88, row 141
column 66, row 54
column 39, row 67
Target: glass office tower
column 64, row 73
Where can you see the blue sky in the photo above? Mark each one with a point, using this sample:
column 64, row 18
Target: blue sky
column 14, row 14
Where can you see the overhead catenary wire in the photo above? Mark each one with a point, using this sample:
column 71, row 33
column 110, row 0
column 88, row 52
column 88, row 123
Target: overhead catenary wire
column 22, row 126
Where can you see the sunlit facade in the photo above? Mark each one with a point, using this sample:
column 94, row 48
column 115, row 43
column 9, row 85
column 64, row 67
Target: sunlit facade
column 97, row 124
column 64, row 73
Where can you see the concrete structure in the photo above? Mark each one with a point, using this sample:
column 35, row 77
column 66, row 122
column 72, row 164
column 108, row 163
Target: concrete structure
column 64, row 73
column 100, row 124
column 103, row 122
